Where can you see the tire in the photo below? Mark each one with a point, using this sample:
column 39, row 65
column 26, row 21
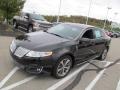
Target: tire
column 60, row 71
column 15, row 25
column 30, row 29
column 103, row 55
column 115, row 36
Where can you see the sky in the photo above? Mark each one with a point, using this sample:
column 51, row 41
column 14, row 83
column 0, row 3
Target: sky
column 98, row 8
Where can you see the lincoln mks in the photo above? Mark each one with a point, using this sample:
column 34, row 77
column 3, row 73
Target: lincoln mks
column 60, row 48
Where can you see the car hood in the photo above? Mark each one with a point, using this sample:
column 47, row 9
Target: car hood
column 40, row 41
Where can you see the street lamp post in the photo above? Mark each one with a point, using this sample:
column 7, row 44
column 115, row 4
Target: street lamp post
column 58, row 17
column 88, row 11
column 106, row 17
column 115, row 19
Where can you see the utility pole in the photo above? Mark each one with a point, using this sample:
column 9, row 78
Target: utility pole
column 58, row 17
column 108, row 8
column 114, row 19
column 89, row 11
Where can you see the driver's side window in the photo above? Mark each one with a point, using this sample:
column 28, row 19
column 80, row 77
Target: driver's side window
column 88, row 34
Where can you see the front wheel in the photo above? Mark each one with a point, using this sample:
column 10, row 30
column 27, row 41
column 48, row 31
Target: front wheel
column 103, row 55
column 62, row 67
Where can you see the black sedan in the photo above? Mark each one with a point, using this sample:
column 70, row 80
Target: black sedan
column 59, row 48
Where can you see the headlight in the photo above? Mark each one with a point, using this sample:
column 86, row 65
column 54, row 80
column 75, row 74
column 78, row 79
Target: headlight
column 38, row 54
column 36, row 24
column 13, row 46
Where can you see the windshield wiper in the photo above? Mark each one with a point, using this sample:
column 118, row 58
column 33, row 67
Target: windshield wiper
column 57, row 35
column 54, row 34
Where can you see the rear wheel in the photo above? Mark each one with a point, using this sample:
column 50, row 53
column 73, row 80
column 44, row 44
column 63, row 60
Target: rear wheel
column 62, row 67
column 15, row 25
column 103, row 55
column 115, row 36
column 30, row 29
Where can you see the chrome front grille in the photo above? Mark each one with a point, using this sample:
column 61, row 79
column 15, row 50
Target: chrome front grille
column 20, row 52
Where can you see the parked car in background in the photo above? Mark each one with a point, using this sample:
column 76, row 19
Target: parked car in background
column 108, row 33
column 56, row 23
column 115, row 34
column 60, row 48
column 31, row 22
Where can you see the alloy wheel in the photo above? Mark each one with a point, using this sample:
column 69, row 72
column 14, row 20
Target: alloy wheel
column 104, row 54
column 64, row 67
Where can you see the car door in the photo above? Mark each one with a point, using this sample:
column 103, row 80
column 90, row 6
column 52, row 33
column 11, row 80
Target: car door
column 26, row 20
column 20, row 19
column 86, row 46
column 99, row 40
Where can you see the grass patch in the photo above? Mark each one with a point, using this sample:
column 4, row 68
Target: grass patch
column 7, row 30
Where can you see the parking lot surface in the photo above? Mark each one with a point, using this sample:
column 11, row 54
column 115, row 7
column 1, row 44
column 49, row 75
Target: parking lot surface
column 82, row 77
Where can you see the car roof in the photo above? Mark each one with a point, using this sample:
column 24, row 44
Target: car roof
column 84, row 26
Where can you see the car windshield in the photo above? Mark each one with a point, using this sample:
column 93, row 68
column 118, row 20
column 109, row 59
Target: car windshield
column 65, row 31
column 37, row 17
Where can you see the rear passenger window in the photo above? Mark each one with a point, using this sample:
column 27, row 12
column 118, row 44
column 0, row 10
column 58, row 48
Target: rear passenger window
column 98, row 33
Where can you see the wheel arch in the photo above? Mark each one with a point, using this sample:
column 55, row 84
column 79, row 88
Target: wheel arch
column 107, row 48
column 73, row 58
column 68, row 54
column 107, row 45
column 14, row 20
column 30, row 25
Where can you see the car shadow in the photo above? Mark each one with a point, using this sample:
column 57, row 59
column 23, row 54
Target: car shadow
column 80, row 74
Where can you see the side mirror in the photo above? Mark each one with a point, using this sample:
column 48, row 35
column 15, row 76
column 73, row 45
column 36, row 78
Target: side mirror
column 84, row 40
column 26, row 17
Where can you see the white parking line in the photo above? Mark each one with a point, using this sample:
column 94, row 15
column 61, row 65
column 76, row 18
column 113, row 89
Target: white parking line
column 118, row 85
column 109, row 62
column 94, row 81
column 8, row 76
column 18, row 83
column 55, row 86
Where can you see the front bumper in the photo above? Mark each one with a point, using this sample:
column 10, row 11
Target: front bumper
column 33, row 65
column 36, row 29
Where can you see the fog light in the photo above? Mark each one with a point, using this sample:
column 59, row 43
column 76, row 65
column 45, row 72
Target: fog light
column 40, row 69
